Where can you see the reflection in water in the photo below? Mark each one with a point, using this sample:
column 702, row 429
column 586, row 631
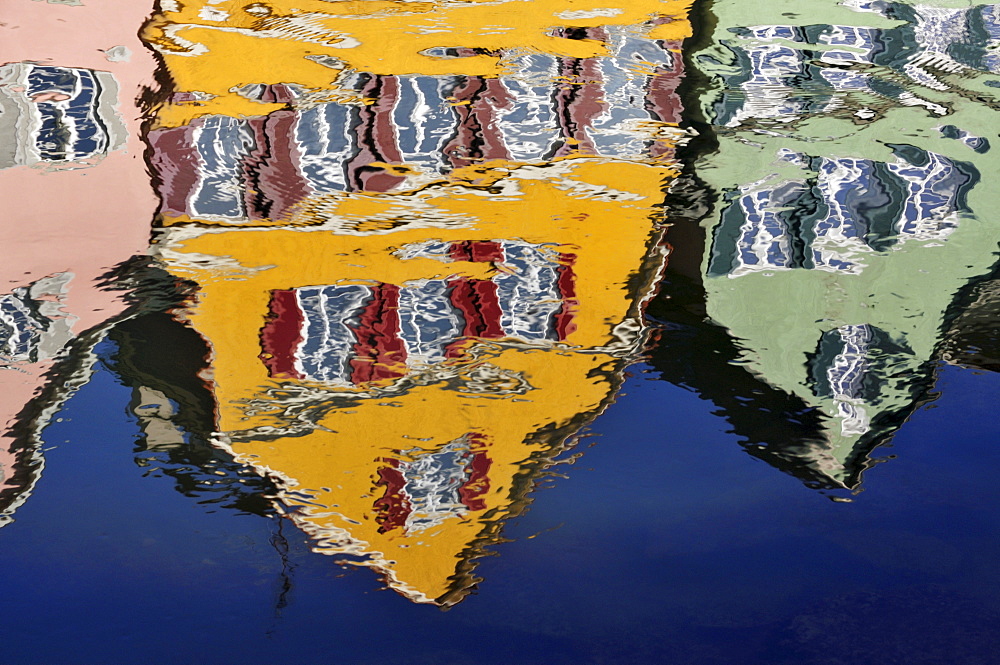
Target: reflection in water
column 479, row 239
column 161, row 360
column 57, row 114
column 390, row 287
column 972, row 338
column 834, row 270
column 393, row 383
column 32, row 325
column 438, row 274
column 69, row 134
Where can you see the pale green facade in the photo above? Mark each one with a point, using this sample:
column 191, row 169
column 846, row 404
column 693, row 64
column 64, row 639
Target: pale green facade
column 855, row 202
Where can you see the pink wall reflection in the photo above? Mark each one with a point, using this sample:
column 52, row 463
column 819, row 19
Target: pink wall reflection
column 77, row 199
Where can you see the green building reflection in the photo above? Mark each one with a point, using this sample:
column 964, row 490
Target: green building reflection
column 849, row 224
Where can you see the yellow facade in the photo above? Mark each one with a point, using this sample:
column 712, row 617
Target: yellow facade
column 358, row 458
column 311, row 42
column 331, row 471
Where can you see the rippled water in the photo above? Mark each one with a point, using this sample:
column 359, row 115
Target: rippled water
column 656, row 332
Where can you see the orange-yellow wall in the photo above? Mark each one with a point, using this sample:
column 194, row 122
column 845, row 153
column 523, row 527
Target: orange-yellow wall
column 602, row 211
column 374, row 36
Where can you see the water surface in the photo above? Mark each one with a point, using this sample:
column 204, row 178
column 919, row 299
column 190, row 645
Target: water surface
column 648, row 333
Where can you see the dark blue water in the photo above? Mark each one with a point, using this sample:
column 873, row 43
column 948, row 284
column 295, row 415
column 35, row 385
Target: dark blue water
column 665, row 543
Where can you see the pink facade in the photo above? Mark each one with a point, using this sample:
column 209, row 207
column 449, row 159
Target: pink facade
column 73, row 209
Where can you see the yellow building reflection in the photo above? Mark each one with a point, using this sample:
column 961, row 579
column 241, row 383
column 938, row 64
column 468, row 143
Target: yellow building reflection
column 214, row 47
column 415, row 297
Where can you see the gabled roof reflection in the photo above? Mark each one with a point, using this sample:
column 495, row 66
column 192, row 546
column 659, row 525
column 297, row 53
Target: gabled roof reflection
column 828, row 277
column 404, row 418
column 442, row 262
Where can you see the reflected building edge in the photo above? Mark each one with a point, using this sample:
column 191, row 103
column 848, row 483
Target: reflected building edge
column 165, row 363
column 972, row 339
column 435, row 279
column 33, row 329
